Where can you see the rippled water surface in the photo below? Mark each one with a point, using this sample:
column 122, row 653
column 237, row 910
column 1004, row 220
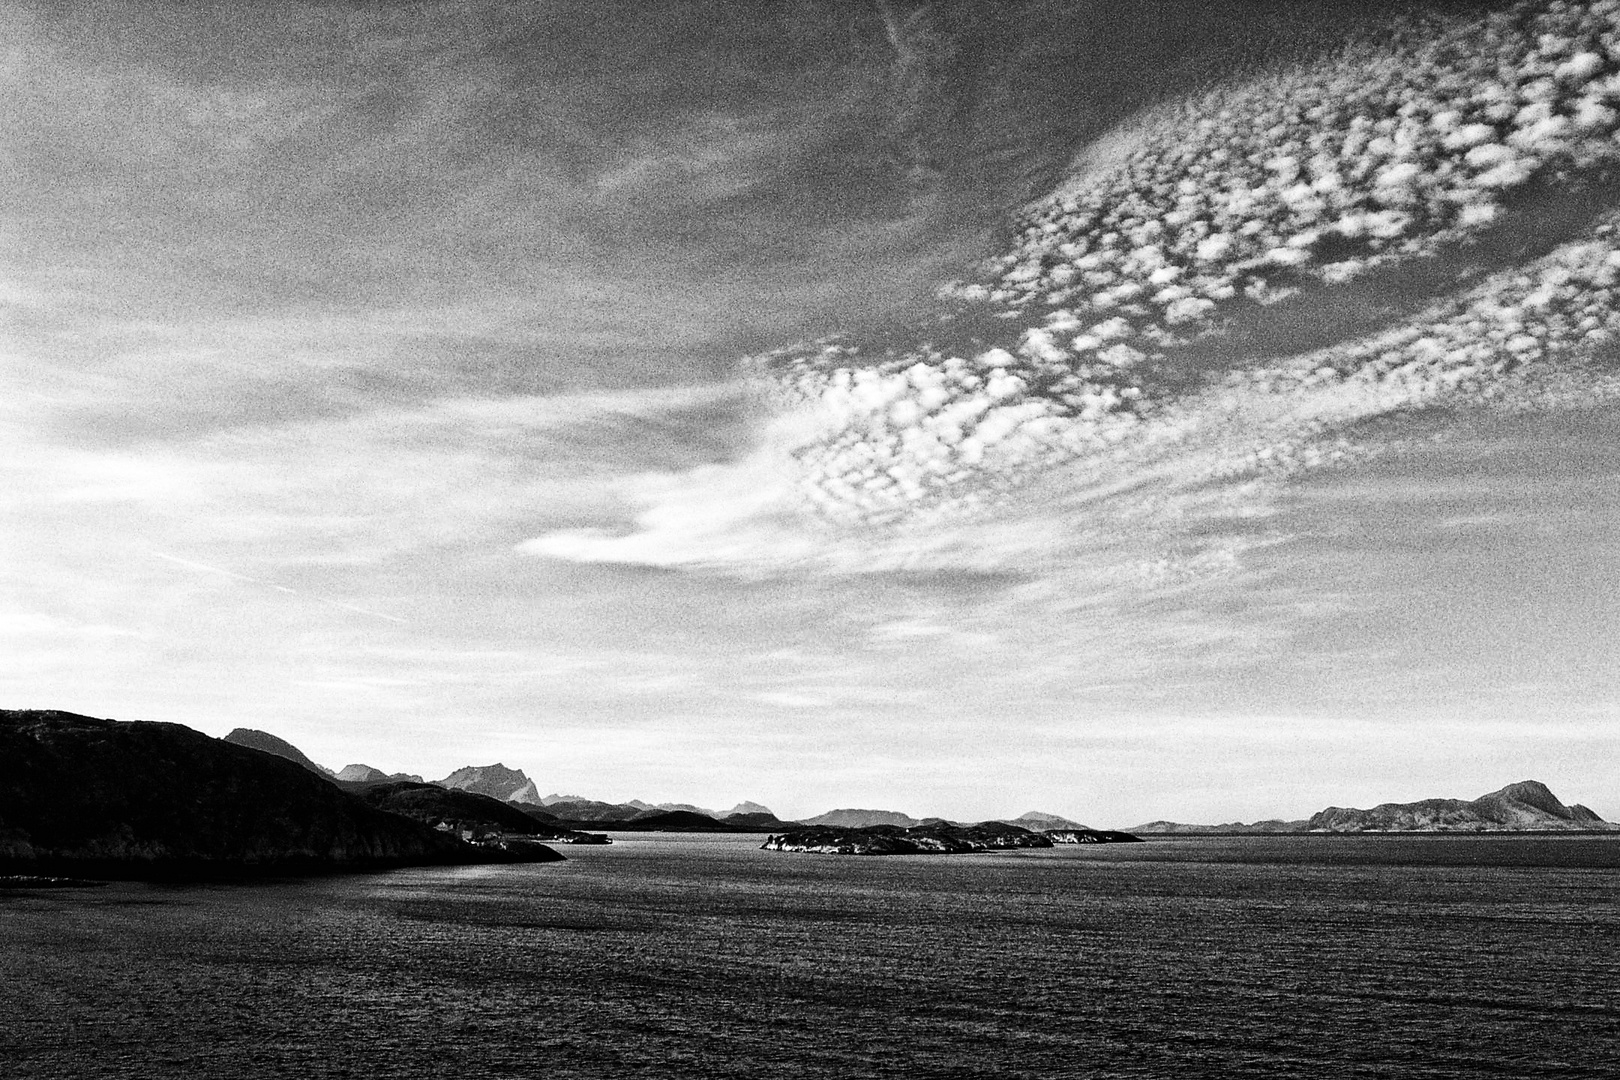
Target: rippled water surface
column 705, row 957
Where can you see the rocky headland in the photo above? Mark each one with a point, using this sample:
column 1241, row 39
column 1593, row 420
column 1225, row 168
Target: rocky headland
column 86, row 797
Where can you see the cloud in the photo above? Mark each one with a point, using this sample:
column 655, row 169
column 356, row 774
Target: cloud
column 734, row 515
column 249, row 219
column 205, row 568
column 966, row 464
column 1163, row 368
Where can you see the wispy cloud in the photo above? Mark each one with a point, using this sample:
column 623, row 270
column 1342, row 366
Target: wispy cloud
column 339, row 604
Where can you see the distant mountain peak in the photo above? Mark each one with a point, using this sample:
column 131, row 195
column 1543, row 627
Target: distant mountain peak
column 366, row 774
column 496, row 781
column 1040, row 820
column 1531, row 793
column 859, row 819
column 593, row 807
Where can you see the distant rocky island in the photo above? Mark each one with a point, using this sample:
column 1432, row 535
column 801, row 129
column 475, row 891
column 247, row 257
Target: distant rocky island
column 1527, row 806
column 934, row 838
column 1034, row 820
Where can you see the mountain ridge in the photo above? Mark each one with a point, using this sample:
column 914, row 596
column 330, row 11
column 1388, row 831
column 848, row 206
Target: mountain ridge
column 496, row 781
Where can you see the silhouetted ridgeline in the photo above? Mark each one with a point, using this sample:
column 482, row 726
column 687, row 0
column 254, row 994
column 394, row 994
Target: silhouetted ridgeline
column 272, row 744
column 100, row 798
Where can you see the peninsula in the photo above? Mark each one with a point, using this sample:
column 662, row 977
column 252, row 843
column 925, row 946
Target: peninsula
column 92, row 798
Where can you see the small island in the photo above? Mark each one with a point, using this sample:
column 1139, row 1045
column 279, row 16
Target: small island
column 934, row 838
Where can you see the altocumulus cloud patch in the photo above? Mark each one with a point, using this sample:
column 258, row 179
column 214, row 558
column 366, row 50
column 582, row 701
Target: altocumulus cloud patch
column 1203, row 307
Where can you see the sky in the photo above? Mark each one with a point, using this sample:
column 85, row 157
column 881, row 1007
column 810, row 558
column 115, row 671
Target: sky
column 1116, row 410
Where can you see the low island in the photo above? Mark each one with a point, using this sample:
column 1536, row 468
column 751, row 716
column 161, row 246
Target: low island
column 935, row 838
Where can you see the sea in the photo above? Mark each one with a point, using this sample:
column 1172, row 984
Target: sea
column 668, row 956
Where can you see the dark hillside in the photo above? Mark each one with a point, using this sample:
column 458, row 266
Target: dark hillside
column 93, row 797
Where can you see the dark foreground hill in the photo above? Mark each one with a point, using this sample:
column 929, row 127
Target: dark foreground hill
column 101, row 798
